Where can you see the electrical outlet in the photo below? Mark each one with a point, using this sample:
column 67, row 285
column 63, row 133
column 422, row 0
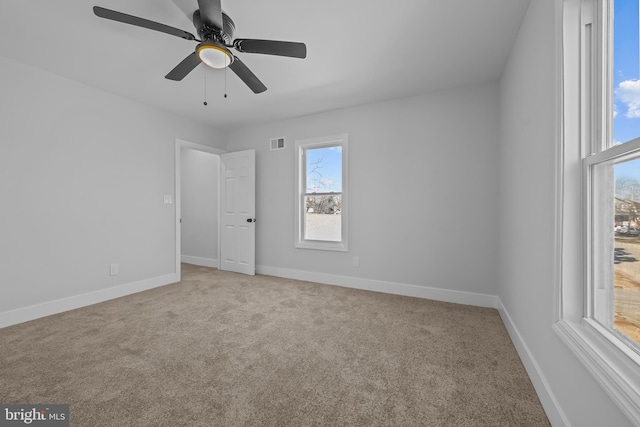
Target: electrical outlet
column 356, row 261
column 114, row 269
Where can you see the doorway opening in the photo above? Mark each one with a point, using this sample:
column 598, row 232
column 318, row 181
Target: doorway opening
column 197, row 189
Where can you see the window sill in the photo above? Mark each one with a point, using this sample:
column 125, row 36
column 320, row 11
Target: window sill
column 321, row 245
column 615, row 370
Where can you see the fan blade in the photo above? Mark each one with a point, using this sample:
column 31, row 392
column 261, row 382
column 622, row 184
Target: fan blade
column 211, row 13
column 141, row 22
column 185, row 67
column 271, row 47
column 247, row 76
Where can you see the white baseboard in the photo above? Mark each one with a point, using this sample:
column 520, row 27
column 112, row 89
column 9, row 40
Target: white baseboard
column 37, row 311
column 549, row 402
column 438, row 294
column 195, row 260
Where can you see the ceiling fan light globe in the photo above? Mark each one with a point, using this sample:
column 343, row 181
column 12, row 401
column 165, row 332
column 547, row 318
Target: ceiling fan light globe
column 214, row 55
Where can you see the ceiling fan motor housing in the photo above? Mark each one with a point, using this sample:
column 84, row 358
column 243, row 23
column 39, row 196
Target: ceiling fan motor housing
column 224, row 35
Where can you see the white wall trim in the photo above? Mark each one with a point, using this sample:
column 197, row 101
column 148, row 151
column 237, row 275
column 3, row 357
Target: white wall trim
column 204, row 262
column 49, row 308
column 617, row 376
column 438, row 294
column 548, row 400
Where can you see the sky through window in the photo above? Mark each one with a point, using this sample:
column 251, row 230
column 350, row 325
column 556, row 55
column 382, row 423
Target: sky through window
column 626, row 71
column 324, row 170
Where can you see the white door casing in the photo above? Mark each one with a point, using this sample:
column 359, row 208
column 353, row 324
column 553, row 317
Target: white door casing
column 237, row 212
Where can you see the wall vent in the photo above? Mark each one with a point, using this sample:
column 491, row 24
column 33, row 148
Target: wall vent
column 277, row 144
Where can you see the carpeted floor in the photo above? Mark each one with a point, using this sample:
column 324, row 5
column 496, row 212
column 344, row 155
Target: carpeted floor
column 223, row 349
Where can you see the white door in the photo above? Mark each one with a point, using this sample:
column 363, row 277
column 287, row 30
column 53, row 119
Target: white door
column 237, row 212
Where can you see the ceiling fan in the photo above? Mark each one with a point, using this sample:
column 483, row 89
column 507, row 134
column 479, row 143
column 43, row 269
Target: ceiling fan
column 215, row 29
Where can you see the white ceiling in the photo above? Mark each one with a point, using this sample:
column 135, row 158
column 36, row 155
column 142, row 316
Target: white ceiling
column 358, row 51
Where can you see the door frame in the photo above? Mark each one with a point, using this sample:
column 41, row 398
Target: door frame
column 179, row 145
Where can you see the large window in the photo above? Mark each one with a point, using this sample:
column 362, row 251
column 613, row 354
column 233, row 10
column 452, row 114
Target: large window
column 613, row 173
column 321, row 193
column 626, row 211
column 599, row 298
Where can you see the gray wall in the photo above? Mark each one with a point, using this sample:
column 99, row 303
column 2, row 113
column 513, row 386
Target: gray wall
column 422, row 197
column 82, row 176
column 527, row 219
column 199, row 173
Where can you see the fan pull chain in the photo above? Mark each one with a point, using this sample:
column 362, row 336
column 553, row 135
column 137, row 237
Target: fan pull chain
column 225, row 81
column 205, row 87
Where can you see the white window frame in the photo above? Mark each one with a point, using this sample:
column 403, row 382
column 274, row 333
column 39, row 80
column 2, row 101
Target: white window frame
column 584, row 130
column 300, row 191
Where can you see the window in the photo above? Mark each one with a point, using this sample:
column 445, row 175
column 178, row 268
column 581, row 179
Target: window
column 613, row 171
column 321, row 193
column 599, row 169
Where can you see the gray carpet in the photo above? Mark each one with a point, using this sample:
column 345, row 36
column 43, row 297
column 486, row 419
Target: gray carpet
column 223, row 349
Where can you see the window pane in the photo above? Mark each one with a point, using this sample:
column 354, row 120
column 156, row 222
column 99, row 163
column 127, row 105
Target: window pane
column 324, row 170
column 323, row 212
column 626, row 71
column 323, row 218
column 626, row 260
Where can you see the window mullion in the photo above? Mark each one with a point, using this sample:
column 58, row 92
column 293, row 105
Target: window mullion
column 587, row 78
column 605, row 78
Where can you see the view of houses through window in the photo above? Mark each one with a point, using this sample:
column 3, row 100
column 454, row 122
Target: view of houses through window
column 323, row 194
column 626, row 171
column 626, row 263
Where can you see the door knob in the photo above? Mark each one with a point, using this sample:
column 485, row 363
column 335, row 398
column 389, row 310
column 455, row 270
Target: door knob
column 251, row 220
